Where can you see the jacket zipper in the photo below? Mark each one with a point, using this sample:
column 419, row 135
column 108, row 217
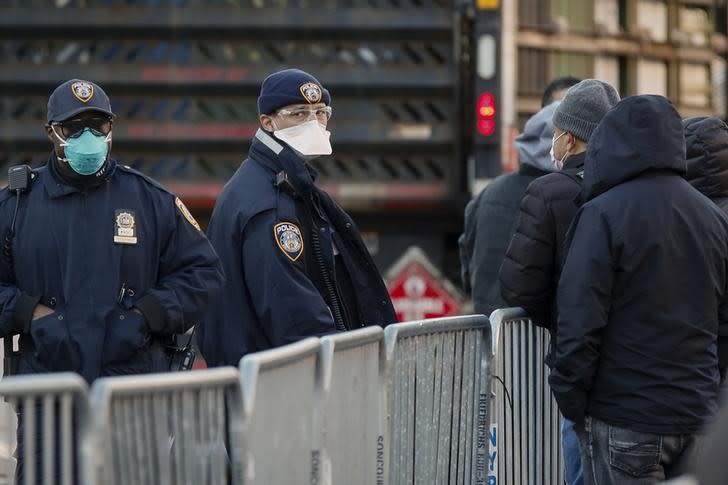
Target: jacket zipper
column 335, row 306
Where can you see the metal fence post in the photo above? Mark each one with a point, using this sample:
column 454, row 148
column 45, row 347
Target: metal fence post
column 171, row 428
column 354, row 407
column 525, row 429
column 281, row 406
column 438, row 386
column 55, row 412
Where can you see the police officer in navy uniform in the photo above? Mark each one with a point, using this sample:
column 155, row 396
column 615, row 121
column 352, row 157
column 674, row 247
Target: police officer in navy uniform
column 295, row 263
column 105, row 263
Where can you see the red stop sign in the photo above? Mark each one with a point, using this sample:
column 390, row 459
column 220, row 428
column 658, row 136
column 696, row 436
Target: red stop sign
column 417, row 290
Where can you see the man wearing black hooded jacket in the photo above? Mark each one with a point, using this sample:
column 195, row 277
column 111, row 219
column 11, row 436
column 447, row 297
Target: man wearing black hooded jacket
column 641, row 301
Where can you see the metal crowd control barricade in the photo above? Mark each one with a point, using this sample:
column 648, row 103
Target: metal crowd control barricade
column 167, row 429
column 54, row 409
column 438, row 386
column 354, row 408
column 281, row 400
column 525, row 432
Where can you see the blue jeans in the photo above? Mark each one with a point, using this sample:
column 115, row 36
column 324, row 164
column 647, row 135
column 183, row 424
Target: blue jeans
column 571, row 452
column 619, row 456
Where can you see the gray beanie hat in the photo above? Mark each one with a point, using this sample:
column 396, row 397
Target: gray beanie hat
column 583, row 107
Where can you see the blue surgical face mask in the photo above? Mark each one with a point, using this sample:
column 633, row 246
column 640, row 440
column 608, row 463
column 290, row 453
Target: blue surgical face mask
column 85, row 152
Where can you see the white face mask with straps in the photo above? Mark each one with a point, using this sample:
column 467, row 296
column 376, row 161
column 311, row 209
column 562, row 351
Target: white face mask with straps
column 558, row 164
column 309, row 139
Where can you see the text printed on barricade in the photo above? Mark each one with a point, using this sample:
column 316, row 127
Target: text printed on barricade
column 482, row 454
column 380, row 460
column 493, row 456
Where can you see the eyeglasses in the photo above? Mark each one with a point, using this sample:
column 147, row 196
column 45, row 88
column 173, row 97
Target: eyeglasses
column 303, row 114
column 100, row 125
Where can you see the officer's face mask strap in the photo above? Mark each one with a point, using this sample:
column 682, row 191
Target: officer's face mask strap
column 64, row 143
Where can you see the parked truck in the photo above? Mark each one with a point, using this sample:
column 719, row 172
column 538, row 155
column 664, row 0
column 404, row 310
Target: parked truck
column 427, row 94
column 183, row 77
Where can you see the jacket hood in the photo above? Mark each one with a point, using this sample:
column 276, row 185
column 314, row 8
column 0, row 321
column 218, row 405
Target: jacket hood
column 534, row 144
column 706, row 147
column 640, row 134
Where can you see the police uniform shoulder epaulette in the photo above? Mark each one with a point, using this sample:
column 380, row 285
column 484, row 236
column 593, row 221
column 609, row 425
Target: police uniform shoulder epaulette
column 177, row 201
column 146, row 178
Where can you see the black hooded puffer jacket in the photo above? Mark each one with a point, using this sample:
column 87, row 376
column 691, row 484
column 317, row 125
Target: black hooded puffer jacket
column 706, row 144
column 642, row 306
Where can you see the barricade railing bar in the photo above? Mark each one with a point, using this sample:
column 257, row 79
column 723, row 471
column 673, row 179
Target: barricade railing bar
column 525, row 436
column 354, row 408
column 52, row 413
column 281, row 402
column 172, row 428
column 438, row 383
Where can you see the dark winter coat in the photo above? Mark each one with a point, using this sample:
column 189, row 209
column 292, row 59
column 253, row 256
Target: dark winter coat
column 276, row 237
column 92, row 254
column 532, row 266
column 491, row 216
column 706, row 144
column 642, row 296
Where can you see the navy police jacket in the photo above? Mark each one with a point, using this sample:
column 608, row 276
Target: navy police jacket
column 296, row 265
column 92, row 255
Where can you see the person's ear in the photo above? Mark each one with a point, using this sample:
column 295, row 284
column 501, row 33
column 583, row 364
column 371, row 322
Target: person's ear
column 49, row 134
column 267, row 123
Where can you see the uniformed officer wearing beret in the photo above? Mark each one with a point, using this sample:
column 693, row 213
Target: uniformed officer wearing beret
column 295, row 263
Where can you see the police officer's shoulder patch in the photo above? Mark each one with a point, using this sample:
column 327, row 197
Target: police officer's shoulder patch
column 186, row 213
column 289, row 239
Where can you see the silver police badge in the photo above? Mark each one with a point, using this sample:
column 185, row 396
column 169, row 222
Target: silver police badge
column 311, row 92
column 125, row 232
column 289, row 239
column 83, row 91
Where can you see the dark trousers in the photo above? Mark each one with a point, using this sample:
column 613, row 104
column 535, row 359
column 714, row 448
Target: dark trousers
column 619, row 456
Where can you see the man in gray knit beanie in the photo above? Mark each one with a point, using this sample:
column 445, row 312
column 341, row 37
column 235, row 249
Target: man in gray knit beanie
column 533, row 261
column 578, row 115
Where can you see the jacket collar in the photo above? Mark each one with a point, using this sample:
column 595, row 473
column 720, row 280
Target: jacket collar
column 530, row 170
column 58, row 185
column 279, row 157
column 574, row 161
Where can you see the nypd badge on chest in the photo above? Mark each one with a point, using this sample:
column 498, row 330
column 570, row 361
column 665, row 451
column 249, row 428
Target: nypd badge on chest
column 125, row 229
column 289, row 239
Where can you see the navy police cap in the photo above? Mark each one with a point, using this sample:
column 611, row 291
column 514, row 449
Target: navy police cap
column 76, row 96
column 290, row 86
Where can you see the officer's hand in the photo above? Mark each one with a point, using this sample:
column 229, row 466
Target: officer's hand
column 139, row 312
column 41, row 311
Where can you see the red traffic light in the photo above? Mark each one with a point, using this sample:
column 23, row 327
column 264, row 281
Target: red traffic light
column 486, row 114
